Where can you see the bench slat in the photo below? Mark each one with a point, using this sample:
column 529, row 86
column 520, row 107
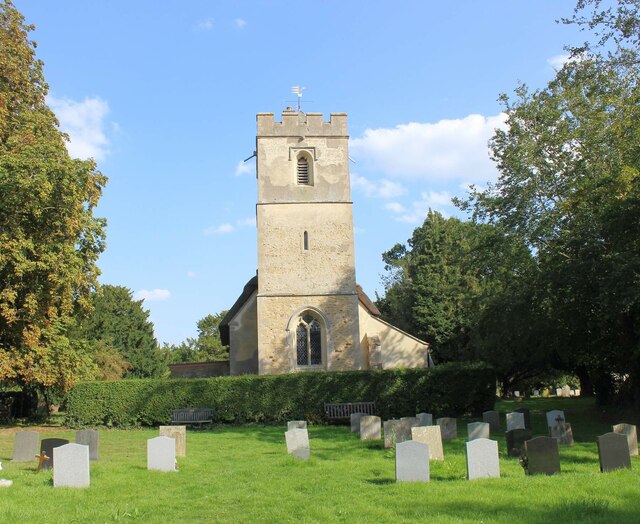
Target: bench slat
column 191, row 416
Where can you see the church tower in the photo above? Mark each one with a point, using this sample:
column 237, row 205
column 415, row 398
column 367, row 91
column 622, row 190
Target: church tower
column 307, row 303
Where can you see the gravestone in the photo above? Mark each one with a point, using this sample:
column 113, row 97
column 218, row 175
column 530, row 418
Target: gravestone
column 390, row 428
column 555, row 417
column 298, row 443
column 482, row 459
column 412, row 462
column 448, row 427
column 431, row 436
column 543, row 456
column 558, row 392
column 71, row 469
column 296, row 424
column 515, row 421
column 536, row 392
column 577, row 392
column 563, row 433
column 425, row 419
column 355, row 421
column 370, row 428
column 516, row 394
column 515, row 441
column 632, row 436
column 493, row 419
column 161, row 454
column 403, row 432
column 91, row 438
column 566, row 391
column 179, row 434
column 26, row 445
column 613, row 451
column 478, row 430
column 527, row 416
column 47, row 445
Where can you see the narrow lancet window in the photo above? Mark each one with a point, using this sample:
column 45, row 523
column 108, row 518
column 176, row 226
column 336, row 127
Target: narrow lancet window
column 305, row 241
column 303, row 171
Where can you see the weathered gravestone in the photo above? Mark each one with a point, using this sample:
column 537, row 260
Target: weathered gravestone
column 515, row 441
column 26, row 445
column 431, row 436
column 425, row 419
column 296, row 424
column 47, row 445
column 370, row 428
column 478, row 430
column 629, row 430
column 298, row 443
column 355, row 421
column 390, row 429
column 161, row 454
column 482, row 459
column 613, row 450
column 515, row 421
column 91, row 438
column 71, row 466
column 412, row 462
column 527, row 416
column 448, row 427
column 555, row 417
column 493, row 419
column 563, row 433
column 179, row 434
column 404, row 428
column 542, row 456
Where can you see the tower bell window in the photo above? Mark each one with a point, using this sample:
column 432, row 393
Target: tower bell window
column 303, row 171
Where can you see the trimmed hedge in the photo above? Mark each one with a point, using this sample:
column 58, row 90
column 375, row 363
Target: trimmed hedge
column 447, row 390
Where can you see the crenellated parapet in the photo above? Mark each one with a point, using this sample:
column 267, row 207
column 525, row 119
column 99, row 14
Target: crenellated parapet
column 296, row 124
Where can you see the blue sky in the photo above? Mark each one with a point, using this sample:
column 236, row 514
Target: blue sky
column 164, row 96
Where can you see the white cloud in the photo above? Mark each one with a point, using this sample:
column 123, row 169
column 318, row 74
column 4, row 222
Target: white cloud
column 380, row 188
column 218, row 230
column 249, row 221
column 206, row 24
column 239, row 23
column 436, row 200
column 192, row 274
column 446, row 150
column 83, row 122
column 152, row 295
column 396, row 207
column 557, row 61
column 245, row 168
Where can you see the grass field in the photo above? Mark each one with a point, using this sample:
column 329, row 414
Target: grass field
column 243, row 474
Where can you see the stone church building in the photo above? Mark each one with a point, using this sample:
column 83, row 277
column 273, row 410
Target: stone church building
column 303, row 310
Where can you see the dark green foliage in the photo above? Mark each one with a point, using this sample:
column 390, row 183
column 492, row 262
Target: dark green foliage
column 451, row 389
column 206, row 347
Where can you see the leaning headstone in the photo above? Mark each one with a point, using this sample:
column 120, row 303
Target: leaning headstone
column 47, row 445
column 431, row 436
column 26, row 445
column 355, row 421
column 298, row 443
column 482, row 459
column 449, row 427
column 515, row 441
column 390, row 428
column 71, row 469
column 613, row 451
column 179, row 434
column 370, row 428
column 412, row 462
column 161, row 454
column 296, row 424
column 425, row 419
column 527, row 416
column 493, row 419
column 555, row 417
column 515, row 421
column 478, row 430
column 563, row 433
column 629, row 430
column 91, row 438
column 543, row 456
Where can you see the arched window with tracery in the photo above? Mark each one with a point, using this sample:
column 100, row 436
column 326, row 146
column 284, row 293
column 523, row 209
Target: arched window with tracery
column 308, row 340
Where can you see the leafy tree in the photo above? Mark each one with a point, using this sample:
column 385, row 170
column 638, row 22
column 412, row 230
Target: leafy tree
column 206, row 347
column 49, row 238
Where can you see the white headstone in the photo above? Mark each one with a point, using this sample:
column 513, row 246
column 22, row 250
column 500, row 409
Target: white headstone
column 478, row 430
column 516, row 394
column 558, row 392
column 179, row 434
column 536, row 392
column 482, row 459
column 370, row 428
column 555, row 417
column 26, row 445
column 515, row 420
column 448, row 427
column 91, row 438
column 161, row 454
column 412, row 462
column 425, row 419
column 296, row 424
column 298, row 443
column 71, row 466
column 431, row 436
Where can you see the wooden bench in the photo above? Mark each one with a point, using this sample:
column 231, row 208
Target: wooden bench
column 342, row 412
column 192, row 416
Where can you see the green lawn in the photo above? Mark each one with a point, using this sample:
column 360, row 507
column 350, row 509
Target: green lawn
column 243, row 474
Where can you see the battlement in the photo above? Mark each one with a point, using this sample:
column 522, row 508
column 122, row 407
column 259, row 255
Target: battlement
column 296, row 123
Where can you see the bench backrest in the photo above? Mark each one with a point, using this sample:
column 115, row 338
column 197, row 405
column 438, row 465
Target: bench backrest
column 346, row 409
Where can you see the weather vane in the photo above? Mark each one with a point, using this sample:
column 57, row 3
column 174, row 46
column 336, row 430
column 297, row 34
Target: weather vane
column 297, row 90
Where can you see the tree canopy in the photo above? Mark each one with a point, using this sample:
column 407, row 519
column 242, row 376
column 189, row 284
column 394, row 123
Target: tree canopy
column 206, row 347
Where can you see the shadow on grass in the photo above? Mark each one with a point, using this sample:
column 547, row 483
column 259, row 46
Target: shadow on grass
column 380, row 482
